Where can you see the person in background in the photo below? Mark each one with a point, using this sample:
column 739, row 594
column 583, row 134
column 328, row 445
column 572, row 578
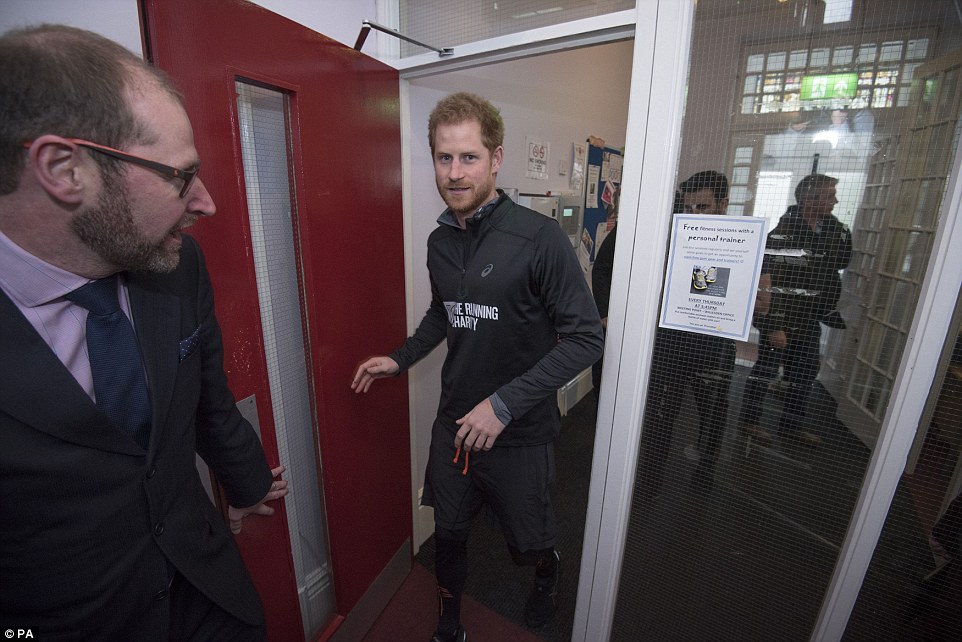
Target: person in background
column 602, row 270
column 113, row 378
column 804, row 254
column 511, row 301
column 837, row 131
column 683, row 360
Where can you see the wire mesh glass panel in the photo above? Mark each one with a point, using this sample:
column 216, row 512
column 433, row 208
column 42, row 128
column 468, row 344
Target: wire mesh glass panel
column 448, row 23
column 754, row 454
column 263, row 122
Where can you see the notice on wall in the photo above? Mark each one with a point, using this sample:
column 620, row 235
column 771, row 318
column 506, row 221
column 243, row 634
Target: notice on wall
column 537, row 158
column 611, row 167
column 579, row 156
column 714, row 264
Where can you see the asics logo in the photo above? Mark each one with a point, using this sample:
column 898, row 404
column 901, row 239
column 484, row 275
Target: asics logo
column 487, row 270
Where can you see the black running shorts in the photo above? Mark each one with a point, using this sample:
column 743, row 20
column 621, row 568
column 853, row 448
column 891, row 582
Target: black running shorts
column 514, row 481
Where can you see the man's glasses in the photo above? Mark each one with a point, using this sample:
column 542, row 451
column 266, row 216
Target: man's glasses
column 186, row 175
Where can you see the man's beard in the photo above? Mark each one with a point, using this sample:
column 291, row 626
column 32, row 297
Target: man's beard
column 108, row 229
column 471, row 208
column 480, row 193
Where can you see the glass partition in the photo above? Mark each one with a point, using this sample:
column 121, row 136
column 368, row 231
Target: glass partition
column 836, row 122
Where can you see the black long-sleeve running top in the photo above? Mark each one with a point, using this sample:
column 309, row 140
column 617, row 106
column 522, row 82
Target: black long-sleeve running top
column 512, row 301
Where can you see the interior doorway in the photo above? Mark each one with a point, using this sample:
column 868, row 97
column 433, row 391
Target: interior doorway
column 562, row 98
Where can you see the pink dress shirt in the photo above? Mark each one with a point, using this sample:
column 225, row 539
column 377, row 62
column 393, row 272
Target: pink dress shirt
column 37, row 288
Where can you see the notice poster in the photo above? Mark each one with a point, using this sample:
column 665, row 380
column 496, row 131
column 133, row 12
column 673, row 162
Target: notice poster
column 611, row 167
column 714, row 264
column 584, row 250
column 579, row 156
column 537, row 158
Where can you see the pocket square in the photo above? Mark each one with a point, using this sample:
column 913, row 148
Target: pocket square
column 188, row 345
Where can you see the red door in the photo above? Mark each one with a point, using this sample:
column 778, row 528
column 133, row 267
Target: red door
column 343, row 149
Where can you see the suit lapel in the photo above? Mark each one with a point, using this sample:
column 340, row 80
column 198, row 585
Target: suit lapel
column 38, row 390
column 157, row 323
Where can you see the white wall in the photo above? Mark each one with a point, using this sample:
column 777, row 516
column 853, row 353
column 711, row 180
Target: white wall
column 117, row 19
column 337, row 19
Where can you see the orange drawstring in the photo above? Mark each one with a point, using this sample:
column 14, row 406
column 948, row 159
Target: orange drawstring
column 467, row 454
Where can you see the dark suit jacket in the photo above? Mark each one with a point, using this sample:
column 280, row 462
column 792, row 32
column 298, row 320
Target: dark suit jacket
column 86, row 516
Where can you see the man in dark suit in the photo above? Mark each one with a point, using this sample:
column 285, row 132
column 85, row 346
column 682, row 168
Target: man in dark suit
column 106, row 531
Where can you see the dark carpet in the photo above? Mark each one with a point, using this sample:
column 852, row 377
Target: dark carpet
column 749, row 557
column 411, row 616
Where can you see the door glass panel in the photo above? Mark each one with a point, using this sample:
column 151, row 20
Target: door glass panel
column 263, row 121
column 448, row 23
column 754, row 454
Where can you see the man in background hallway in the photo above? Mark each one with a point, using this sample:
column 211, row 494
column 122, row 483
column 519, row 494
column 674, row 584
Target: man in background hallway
column 805, row 293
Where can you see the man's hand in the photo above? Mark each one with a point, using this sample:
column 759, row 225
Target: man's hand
column 479, row 428
column 373, row 368
column 278, row 490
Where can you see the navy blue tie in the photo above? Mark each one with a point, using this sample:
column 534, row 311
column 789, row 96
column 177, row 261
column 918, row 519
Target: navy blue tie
column 120, row 385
